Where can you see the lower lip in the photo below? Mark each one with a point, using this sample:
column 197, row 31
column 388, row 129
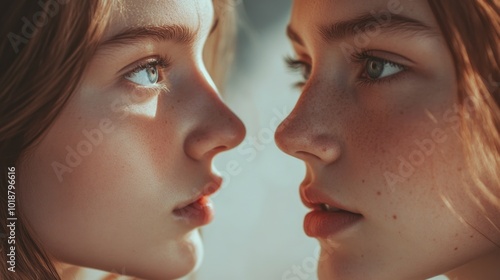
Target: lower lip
column 323, row 224
column 198, row 213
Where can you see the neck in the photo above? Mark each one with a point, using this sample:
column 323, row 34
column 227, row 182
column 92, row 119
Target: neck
column 485, row 268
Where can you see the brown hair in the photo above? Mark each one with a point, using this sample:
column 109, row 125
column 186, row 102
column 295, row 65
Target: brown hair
column 41, row 66
column 472, row 31
column 43, row 55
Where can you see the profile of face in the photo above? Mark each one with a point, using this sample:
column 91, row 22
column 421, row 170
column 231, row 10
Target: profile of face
column 120, row 182
column 376, row 125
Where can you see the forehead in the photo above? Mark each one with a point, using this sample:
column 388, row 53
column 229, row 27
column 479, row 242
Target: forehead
column 324, row 12
column 196, row 15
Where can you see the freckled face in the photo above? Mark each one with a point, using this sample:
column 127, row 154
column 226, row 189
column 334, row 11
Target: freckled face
column 135, row 142
column 376, row 126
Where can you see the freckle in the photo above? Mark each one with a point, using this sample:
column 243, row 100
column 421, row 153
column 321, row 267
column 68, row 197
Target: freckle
column 459, row 169
column 472, row 236
column 394, row 217
column 324, row 149
column 363, row 181
column 456, row 248
column 362, row 255
column 178, row 101
column 379, row 193
column 401, row 112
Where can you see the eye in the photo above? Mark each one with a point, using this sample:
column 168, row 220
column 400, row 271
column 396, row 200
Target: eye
column 144, row 77
column 147, row 73
column 377, row 68
column 299, row 66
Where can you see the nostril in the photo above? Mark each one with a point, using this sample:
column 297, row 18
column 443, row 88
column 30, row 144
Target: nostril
column 305, row 155
column 310, row 147
column 220, row 149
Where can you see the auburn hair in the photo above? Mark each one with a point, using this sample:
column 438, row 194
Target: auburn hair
column 46, row 47
column 471, row 29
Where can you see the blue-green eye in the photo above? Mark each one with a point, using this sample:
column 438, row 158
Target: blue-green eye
column 147, row 74
column 144, row 77
column 376, row 68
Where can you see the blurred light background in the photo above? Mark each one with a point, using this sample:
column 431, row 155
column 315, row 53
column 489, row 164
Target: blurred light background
column 257, row 232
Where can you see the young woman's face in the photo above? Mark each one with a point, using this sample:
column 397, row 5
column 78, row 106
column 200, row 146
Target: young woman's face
column 112, row 184
column 376, row 126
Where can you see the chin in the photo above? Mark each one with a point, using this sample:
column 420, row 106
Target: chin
column 346, row 269
column 177, row 259
column 184, row 259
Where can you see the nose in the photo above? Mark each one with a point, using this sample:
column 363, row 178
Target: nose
column 216, row 128
column 309, row 132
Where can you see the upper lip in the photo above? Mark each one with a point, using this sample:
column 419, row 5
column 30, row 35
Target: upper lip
column 208, row 189
column 314, row 198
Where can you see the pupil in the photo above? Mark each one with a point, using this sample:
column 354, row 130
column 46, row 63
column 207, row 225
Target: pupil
column 152, row 75
column 375, row 68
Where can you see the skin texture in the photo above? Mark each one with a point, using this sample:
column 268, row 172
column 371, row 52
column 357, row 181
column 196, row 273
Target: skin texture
column 113, row 210
column 354, row 137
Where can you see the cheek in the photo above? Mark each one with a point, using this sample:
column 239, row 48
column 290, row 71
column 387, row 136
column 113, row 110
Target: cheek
column 405, row 141
column 414, row 170
column 84, row 175
column 409, row 156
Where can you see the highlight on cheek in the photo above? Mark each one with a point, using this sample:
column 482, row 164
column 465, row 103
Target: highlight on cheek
column 148, row 109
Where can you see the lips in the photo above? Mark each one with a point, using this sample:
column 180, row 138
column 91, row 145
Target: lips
column 328, row 217
column 198, row 213
column 198, row 210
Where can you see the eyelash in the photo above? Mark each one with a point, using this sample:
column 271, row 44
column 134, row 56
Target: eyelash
column 358, row 57
column 161, row 62
column 362, row 58
column 298, row 66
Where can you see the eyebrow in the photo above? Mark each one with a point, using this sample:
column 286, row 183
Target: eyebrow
column 352, row 27
column 177, row 33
